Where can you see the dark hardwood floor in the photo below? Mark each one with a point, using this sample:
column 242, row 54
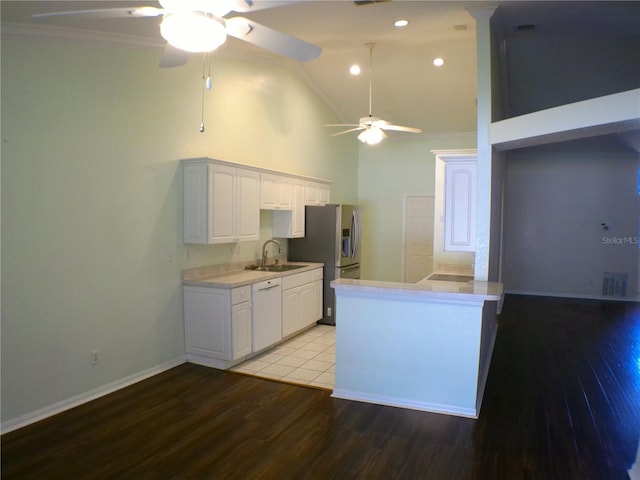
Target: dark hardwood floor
column 562, row 402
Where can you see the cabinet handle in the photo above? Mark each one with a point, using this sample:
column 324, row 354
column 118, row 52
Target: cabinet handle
column 268, row 288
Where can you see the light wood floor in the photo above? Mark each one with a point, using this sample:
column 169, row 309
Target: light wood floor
column 562, row 402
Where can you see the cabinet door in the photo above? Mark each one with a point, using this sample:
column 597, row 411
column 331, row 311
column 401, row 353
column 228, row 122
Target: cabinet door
column 207, row 316
column 285, row 193
column 290, row 311
column 275, row 192
column 323, row 194
column 290, row 223
column 316, row 301
column 195, row 203
column 460, row 206
column 316, row 193
column 247, row 205
column 268, row 189
column 311, row 193
column 305, row 317
column 298, row 209
column 222, row 185
column 241, row 329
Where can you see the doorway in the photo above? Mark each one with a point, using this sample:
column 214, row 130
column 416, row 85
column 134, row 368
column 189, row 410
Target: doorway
column 418, row 237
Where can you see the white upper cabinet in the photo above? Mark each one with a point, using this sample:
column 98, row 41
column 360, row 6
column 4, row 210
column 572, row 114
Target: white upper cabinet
column 290, row 223
column 275, row 192
column 221, row 203
column 247, row 205
column 324, row 193
column 316, row 193
column 460, row 204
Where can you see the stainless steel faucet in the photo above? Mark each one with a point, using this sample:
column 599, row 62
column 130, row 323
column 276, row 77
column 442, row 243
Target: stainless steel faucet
column 264, row 250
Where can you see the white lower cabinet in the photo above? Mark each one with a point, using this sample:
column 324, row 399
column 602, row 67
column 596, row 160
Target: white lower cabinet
column 223, row 326
column 301, row 301
column 217, row 324
column 241, row 329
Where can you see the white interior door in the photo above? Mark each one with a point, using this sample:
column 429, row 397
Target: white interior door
column 418, row 237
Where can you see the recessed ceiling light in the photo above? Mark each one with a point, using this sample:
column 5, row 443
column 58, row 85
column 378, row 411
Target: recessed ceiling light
column 354, row 70
column 438, row 62
column 401, row 23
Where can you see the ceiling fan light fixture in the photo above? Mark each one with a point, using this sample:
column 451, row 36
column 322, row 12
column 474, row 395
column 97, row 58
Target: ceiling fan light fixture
column 217, row 7
column 193, row 31
column 372, row 135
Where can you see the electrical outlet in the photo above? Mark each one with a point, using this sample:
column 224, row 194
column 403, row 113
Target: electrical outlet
column 328, row 311
column 94, row 357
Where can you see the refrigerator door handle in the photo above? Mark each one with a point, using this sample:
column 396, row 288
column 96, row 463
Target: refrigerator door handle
column 354, row 234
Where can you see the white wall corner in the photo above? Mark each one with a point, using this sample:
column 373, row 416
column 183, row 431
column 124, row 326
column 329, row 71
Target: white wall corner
column 482, row 16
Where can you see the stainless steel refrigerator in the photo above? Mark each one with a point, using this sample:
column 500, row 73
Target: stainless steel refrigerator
column 332, row 236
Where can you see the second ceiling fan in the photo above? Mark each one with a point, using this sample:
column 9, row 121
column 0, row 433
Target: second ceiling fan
column 371, row 128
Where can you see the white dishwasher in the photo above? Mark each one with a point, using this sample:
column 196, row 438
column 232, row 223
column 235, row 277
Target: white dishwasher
column 266, row 299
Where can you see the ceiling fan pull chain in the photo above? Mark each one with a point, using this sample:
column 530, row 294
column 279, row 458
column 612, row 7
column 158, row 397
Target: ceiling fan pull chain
column 208, row 82
column 371, row 45
column 205, row 84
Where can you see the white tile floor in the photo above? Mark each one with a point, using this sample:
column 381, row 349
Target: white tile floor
column 306, row 359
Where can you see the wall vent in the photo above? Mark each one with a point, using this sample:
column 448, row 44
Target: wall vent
column 614, row 284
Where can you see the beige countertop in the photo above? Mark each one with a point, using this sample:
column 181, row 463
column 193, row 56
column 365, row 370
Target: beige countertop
column 433, row 289
column 221, row 276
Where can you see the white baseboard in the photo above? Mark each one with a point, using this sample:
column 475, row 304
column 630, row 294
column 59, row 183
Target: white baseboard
column 632, row 298
column 58, row 407
column 404, row 403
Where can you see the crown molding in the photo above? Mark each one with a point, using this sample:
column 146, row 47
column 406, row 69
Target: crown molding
column 20, row 30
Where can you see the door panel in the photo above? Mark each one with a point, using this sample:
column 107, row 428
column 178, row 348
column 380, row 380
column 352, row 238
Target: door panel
column 418, row 237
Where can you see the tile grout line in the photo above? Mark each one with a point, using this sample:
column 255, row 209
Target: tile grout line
column 273, row 358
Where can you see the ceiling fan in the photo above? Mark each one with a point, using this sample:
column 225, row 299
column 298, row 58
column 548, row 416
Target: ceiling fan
column 372, row 127
column 201, row 26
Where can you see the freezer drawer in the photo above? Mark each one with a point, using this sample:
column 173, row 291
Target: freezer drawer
column 350, row 271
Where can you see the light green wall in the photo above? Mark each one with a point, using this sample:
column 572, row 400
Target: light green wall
column 91, row 200
column 387, row 172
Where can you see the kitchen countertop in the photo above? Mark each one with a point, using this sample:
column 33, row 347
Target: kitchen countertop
column 425, row 289
column 237, row 277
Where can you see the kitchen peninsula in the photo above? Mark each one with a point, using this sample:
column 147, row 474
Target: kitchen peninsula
column 425, row 346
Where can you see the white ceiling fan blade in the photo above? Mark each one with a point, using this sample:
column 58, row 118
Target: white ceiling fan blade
column 347, row 131
column 122, row 12
column 173, row 57
column 399, row 128
column 343, row 125
column 270, row 39
column 253, row 5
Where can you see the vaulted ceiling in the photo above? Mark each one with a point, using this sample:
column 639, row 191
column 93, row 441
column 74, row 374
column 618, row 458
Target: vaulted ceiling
column 407, row 88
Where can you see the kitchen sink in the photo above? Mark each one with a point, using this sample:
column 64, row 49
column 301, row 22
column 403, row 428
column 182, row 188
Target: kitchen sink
column 277, row 267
